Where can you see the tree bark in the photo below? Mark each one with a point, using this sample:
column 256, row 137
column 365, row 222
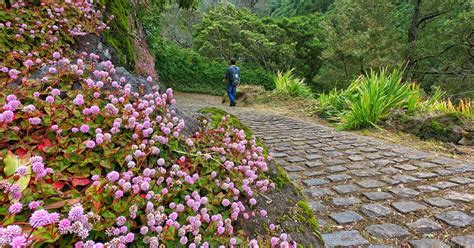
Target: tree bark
column 413, row 33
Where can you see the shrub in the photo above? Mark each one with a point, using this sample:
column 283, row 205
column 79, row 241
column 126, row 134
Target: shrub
column 369, row 99
column 87, row 160
column 287, row 83
column 375, row 95
column 186, row 70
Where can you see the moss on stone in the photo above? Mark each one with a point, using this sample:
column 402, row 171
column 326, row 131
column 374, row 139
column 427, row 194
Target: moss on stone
column 119, row 36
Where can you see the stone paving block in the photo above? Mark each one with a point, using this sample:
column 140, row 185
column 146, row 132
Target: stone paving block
column 426, row 188
column 425, row 225
column 418, row 155
column 387, row 231
column 380, row 246
column 314, row 164
column 365, row 173
column 382, row 162
column 428, row 243
column 390, row 181
column 425, row 175
column 333, row 154
column 294, row 168
column 346, row 217
column 439, row 202
column 294, row 176
column 389, row 170
column 462, row 180
column 356, row 158
column 339, row 177
column 373, row 156
column 327, row 149
column 367, row 149
column 280, row 155
column 295, row 159
column 345, row 201
column 462, row 168
column 405, row 178
column 407, row 206
column 404, row 192
column 375, row 210
column 336, row 168
column 375, row 196
column 357, row 165
column 456, row 218
column 444, row 172
column 460, row 196
column 322, row 223
column 317, row 206
column 314, row 156
column 315, row 181
column 344, row 239
column 406, row 167
column 319, row 192
column 426, row 165
column 346, row 188
column 370, row 183
column 315, row 173
column 400, row 159
column 444, row 185
column 465, row 241
column 444, row 161
column 343, row 147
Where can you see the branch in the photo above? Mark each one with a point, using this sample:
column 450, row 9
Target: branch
column 431, row 16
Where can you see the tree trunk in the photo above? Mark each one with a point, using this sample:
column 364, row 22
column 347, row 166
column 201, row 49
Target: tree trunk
column 412, row 34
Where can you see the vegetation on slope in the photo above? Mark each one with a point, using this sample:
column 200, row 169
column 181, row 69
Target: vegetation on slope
column 86, row 160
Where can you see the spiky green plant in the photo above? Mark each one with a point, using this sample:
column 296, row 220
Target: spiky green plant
column 375, row 95
column 286, row 82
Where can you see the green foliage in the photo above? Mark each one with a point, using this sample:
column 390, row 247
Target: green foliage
column 369, row 99
column 309, row 37
column 360, row 35
column 297, row 8
column 227, row 32
column 443, row 48
column 186, row 70
column 373, row 98
column 120, row 34
column 289, row 84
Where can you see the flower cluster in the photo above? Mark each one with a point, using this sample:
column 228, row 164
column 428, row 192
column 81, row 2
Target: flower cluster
column 118, row 158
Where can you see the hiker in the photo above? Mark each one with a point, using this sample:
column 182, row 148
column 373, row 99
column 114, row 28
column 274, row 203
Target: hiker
column 232, row 76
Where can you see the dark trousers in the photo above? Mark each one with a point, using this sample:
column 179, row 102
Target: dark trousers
column 231, row 91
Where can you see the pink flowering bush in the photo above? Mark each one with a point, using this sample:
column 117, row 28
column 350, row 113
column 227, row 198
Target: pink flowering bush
column 86, row 160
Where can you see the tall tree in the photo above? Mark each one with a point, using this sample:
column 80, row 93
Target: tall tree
column 361, row 35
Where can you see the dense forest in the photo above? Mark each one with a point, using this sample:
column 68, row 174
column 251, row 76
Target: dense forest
column 327, row 42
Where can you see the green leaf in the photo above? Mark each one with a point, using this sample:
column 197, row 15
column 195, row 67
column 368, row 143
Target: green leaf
column 11, row 164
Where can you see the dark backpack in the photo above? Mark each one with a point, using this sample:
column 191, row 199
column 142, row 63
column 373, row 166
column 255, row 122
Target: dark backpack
column 233, row 75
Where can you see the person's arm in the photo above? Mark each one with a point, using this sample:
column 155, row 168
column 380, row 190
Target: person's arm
column 226, row 75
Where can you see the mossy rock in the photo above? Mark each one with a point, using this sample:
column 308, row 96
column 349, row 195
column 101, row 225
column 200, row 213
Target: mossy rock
column 451, row 127
column 119, row 36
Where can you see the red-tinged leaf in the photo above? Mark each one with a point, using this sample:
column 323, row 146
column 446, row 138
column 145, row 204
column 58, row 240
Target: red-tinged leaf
column 44, row 144
column 80, row 181
column 58, row 185
column 21, row 153
column 97, row 205
column 61, row 204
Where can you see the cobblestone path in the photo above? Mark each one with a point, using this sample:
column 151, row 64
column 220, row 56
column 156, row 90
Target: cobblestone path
column 366, row 192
